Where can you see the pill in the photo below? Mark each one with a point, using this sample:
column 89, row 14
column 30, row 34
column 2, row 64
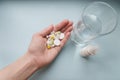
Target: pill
column 53, row 45
column 48, row 46
column 58, row 32
column 52, row 36
column 54, row 39
column 88, row 50
column 57, row 42
column 47, row 36
column 61, row 35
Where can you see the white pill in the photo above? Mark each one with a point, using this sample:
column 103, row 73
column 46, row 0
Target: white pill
column 47, row 36
column 57, row 36
column 57, row 42
column 62, row 35
column 84, row 52
column 89, row 50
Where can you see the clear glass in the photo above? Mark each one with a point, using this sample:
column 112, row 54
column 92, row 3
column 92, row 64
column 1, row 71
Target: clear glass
column 98, row 19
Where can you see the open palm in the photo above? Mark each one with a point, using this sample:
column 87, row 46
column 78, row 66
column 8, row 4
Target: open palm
column 38, row 50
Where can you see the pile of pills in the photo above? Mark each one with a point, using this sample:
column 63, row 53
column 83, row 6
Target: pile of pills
column 88, row 50
column 54, row 39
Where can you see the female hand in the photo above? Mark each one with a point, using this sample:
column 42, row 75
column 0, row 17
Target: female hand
column 38, row 51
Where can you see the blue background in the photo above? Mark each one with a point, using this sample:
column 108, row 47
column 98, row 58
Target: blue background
column 19, row 20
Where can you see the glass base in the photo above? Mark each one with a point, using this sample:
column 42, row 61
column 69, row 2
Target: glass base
column 77, row 43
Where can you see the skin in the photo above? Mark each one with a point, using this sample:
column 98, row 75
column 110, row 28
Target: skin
column 37, row 55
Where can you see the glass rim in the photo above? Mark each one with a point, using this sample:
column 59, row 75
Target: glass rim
column 107, row 5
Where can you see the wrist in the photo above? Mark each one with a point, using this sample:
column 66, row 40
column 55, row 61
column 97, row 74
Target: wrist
column 21, row 69
column 31, row 61
column 38, row 61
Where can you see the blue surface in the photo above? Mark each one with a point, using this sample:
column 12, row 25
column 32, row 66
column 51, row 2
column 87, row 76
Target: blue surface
column 19, row 20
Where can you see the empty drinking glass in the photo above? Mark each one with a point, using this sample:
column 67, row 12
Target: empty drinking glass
column 98, row 19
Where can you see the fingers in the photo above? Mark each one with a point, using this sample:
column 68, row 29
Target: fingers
column 47, row 31
column 68, row 30
column 66, row 27
column 61, row 25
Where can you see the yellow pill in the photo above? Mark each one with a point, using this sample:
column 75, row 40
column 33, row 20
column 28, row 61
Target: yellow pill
column 58, row 32
column 51, row 42
column 48, row 46
column 52, row 36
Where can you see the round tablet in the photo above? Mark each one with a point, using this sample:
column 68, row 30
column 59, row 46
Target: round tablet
column 62, row 35
column 57, row 42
